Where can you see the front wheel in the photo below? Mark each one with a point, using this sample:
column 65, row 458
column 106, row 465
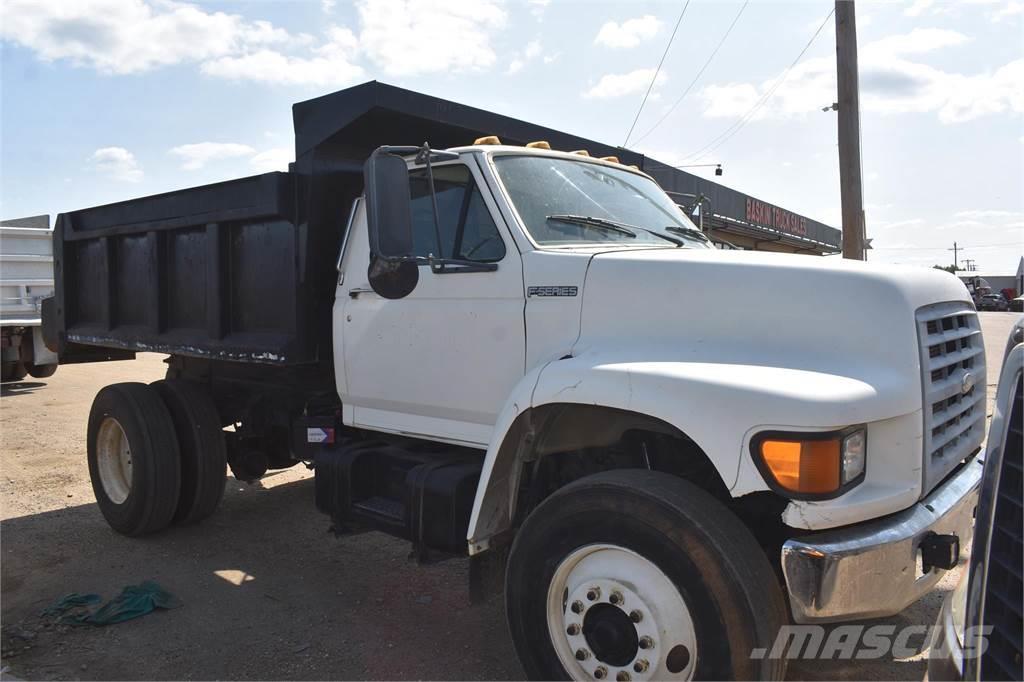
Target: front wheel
column 639, row 575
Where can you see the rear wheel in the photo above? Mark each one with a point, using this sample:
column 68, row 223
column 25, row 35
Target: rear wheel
column 133, row 457
column 639, row 575
column 203, row 453
column 13, row 371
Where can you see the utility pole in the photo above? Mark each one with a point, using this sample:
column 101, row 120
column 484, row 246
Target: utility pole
column 969, row 264
column 956, row 249
column 851, row 188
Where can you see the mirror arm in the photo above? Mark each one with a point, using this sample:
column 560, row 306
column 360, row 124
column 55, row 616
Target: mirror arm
column 425, row 152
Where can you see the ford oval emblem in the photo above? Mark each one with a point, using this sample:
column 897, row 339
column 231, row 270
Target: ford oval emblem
column 966, row 383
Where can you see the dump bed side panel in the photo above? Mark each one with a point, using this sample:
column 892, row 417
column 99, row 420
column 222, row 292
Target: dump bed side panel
column 215, row 272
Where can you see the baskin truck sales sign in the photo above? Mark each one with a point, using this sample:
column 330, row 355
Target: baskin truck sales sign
column 766, row 215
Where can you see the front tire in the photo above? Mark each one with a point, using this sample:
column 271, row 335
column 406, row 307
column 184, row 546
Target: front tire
column 133, row 458
column 639, row 575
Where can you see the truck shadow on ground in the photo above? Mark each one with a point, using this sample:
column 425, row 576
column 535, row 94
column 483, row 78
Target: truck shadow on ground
column 20, row 388
column 268, row 593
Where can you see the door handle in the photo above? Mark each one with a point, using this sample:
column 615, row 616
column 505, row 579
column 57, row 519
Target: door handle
column 354, row 293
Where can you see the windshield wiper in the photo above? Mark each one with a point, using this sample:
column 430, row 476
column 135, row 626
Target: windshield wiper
column 591, row 221
column 688, row 232
column 610, row 225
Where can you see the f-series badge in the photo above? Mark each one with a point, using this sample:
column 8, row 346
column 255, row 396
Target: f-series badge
column 551, row 291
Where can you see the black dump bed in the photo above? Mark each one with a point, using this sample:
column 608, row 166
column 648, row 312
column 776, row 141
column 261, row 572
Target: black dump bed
column 218, row 271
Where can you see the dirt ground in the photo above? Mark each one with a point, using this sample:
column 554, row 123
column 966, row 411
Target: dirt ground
column 267, row 591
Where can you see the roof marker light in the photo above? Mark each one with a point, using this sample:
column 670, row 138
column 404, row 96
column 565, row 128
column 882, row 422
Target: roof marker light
column 581, row 152
column 539, row 144
column 611, row 159
column 487, row 139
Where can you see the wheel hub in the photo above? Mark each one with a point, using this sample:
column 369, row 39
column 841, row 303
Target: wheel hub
column 611, row 635
column 114, row 460
column 613, row 615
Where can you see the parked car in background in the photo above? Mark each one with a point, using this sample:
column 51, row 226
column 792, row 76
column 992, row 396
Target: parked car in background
column 993, row 302
column 989, row 594
column 1017, row 305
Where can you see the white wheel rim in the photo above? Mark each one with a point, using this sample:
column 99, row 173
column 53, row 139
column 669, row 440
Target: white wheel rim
column 619, row 582
column 114, row 460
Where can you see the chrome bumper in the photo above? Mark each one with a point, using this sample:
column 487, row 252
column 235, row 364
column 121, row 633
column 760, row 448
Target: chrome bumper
column 872, row 569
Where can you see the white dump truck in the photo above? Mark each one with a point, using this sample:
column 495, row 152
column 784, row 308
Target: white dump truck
column 26, row 278
column 507, row 352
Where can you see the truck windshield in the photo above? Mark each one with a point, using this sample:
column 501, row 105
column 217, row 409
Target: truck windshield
column 564, row 202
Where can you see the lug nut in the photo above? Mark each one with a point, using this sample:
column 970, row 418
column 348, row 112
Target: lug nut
column 636, row 616
column 573, row 629
column 615, row 598
column 582, row 654
column 594, row 593
column 600, row 673
column 623, row 676
column 577, row 606
column 646, row 643
column 640, row 666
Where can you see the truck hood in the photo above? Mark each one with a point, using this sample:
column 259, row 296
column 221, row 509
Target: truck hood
column 754, row 308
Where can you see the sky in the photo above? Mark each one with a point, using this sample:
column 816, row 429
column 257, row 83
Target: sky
column 103, row 100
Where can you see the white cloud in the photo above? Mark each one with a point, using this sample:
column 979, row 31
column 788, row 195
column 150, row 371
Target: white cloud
column 629, row 33
column 918, row 7
column 532, row 50
column 617, row 85
column 276, row 159
column 130, row 36
column 327, row 6
column 989, row 213
column 197, row 155
column 551, row 58
column 116, row 162
column 538, row 7
column 890, row 81
column 331, row 64
column 1010, row 9
column 412, row 37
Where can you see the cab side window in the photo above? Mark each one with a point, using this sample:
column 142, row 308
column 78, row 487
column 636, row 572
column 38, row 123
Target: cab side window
column 467, row 229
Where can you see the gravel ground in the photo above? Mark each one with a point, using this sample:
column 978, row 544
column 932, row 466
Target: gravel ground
column 268, row 592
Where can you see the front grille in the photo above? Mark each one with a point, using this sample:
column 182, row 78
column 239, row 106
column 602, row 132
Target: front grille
column 952, row 360
column 1003, row 598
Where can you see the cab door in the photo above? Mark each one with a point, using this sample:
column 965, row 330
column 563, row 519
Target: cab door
column 440, row 362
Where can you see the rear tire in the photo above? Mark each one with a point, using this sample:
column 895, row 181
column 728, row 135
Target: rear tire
column 133, row 458
column 203, row 452
column 604, row 565
column 13, row 371
column 41, row 371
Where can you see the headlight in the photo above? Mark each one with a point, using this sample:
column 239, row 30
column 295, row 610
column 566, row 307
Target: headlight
column 811, row 465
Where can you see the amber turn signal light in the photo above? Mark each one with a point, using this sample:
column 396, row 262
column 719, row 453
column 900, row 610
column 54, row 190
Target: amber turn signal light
column 807, row 467
column 811, row 465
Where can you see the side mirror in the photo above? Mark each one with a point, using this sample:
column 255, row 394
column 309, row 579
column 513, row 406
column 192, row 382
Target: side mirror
column 392, row 272
column 388, row 205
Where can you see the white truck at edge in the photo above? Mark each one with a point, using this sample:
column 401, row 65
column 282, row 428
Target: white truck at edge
column 26, row 278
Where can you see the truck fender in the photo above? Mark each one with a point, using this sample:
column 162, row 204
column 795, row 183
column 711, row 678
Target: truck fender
column 716, row 405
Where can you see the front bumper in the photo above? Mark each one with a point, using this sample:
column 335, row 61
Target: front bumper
column 872, row 569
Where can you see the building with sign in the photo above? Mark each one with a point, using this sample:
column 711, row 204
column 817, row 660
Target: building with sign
column 731, row 218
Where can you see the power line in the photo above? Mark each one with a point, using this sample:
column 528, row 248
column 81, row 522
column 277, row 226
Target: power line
column 695, row 78
column 656, row 72
column 738, row 125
